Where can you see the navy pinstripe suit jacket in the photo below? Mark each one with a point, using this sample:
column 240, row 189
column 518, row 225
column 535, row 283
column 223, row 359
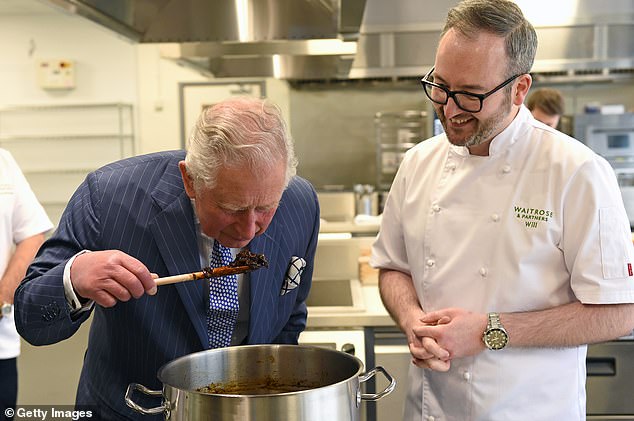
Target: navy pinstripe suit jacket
column 138, row 205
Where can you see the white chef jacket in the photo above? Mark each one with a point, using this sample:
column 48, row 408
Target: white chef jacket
column 538, row 223
column 21, row 217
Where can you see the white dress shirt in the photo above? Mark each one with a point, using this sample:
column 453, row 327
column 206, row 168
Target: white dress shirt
column 538, row 223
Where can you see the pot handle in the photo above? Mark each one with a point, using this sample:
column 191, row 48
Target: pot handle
column 138, row 408
column 390, row 387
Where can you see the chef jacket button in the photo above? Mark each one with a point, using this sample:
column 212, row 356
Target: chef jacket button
column 495, row 217
column 483, row 271
column 506, row 169
column 466, row 375
column 451, row 167
column 435, row 208
column 431, row 418
column 430, row 262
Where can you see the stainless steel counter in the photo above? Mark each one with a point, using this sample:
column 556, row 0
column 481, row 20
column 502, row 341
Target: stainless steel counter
column 370, row 313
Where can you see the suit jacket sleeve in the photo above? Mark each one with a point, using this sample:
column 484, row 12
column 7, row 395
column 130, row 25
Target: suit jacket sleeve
column 42, row 313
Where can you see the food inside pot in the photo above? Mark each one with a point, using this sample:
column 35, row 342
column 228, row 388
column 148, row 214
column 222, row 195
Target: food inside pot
column 265, row 386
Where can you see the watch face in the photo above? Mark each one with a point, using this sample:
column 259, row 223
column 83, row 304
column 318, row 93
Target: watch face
column 496, row 339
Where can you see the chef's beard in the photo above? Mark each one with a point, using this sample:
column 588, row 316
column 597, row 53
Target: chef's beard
column 485, row 130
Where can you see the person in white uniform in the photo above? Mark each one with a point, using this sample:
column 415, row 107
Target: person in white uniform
column 504, row 246
column 23, row 225
column 546, row 105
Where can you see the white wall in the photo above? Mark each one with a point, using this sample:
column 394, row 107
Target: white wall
column 159, row 125
column 158, row 84
column 105, row 63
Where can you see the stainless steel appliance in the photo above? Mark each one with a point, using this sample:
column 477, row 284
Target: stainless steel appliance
column 610, row 370
column 396, row 132
column 612, row 136
column 391, row 352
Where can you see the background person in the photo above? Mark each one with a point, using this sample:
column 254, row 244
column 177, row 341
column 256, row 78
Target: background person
column 24, row 223
column 162, row 213
column 488, row 263
column 546, row 105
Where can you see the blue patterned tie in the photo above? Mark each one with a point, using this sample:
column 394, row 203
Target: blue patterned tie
column 223, row 300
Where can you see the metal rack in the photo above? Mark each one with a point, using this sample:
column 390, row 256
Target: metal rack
column 57, row 145
column 396, row 133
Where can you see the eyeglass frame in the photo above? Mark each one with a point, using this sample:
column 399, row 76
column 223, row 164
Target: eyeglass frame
column 452, row 94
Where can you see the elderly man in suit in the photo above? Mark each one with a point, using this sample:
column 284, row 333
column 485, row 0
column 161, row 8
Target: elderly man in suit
column 164, row 214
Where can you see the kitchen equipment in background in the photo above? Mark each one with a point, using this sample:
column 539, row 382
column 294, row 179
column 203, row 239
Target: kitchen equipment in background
column 609, row 135
column 391, row 351
column 365, row 199
column 340, row 217
column 350, row 341
column 331, row 381
column 335, row 295
column 437, row 126
column 336, row 206
column 396, row 132
column 625, row 177
column 612, row 136
column 610, row 370
column 336, row 285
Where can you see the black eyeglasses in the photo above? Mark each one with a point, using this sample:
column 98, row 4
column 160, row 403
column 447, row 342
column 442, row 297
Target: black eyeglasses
column 467, row 101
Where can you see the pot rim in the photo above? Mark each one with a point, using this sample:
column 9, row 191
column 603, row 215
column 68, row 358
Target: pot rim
column 232, row 349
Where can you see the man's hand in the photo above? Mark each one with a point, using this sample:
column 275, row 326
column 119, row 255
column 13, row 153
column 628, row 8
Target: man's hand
column 110, row 276
column 456, row 330
column 426, row 352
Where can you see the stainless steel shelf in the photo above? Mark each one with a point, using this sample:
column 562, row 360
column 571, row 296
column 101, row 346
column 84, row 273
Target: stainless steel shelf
column 57, row 145
column 63, row 107
column 395, row 134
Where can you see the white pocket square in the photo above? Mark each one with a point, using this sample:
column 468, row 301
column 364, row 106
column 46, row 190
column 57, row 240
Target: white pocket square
column 293, row 274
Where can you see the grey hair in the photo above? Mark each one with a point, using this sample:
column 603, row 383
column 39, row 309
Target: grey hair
column 500, row 17
column 239, row 132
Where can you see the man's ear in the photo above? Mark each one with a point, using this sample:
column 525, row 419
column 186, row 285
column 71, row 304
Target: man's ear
column 524, row 83
column 188, row 181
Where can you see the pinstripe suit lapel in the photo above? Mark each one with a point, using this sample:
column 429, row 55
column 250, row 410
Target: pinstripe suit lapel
column 175, row 236
column 266, row 284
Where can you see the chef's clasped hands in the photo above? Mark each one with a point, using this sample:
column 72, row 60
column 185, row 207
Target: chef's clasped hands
column 437, row 337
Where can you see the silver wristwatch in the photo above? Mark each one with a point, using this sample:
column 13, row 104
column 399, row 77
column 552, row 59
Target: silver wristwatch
column 495, row 336
column 5, row 309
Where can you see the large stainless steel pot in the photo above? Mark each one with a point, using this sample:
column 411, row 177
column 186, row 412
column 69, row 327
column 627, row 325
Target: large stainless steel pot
column 333, row 380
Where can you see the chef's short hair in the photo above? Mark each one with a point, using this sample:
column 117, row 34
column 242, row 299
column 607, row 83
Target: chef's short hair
column 239, row 132
column 503, row 18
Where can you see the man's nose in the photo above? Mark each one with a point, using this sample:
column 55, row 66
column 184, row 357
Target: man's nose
column 247, row 224
column 451, row 108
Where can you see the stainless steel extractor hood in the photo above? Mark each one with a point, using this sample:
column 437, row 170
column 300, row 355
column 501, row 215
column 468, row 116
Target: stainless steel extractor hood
column 583, row 40
column 357, row 39
column 278, row 38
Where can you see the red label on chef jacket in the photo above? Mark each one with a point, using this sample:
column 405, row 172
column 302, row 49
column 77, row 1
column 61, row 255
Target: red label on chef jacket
column 629, row 269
